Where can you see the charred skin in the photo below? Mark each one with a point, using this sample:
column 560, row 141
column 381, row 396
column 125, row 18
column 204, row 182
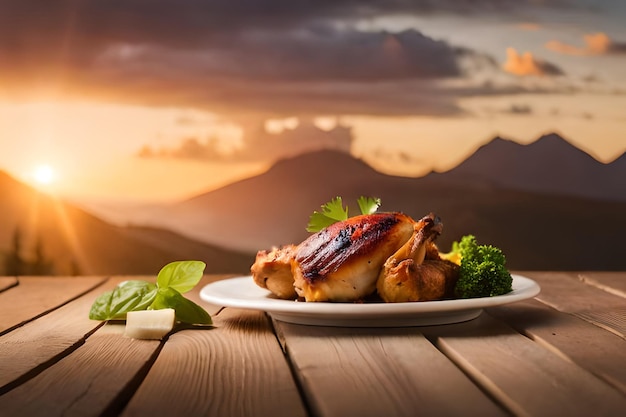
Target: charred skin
column 385, row 252
column 272, row 270
column 341, row 263
column 415, row 272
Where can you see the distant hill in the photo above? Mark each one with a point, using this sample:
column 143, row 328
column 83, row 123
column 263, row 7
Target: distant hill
column 548, row 165
column 536, row 229
column 61, row 239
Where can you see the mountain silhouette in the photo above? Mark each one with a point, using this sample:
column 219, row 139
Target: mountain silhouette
column 548, row 205
column 57, row 238
column 538, row 229
column 548, row 165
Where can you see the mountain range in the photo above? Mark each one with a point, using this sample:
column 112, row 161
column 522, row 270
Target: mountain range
column 548, row 165
column 547, row 204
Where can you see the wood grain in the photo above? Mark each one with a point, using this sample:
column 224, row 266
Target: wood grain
column 37, row 344
column 378, row 372
column 565, row 292
column 34, row 296
column 7, row 282
column 234, row 369
column 590, row 347
column 527, row 378
column 563, row 353
column 613, row 282
column 92, row 379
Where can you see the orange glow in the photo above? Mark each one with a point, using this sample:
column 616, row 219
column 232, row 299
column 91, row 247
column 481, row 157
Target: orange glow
column 44, row 175
column 595, row 44
column 521, row 64
column 91, row 148
column 77, row 254
column 40, row 217
column 598, row 43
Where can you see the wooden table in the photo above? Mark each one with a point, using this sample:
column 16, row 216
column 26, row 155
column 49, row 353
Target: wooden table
column 560, row 354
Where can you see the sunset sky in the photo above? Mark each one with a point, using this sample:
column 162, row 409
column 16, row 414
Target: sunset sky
column 158, row 100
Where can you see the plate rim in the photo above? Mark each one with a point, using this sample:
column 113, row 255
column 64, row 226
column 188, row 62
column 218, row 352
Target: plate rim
column 523, row 288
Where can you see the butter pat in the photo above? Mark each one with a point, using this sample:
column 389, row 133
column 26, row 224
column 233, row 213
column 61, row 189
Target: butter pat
column 149, row 324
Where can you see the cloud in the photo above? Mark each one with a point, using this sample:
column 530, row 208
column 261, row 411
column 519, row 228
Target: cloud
column 294, row 136
column 167, row 22
column 321, row 70
column 519, row 109
column 224, row 33
column 277, row 57
column 268, row 65
column 594, row 44
column 190, row 148
column 526, row 64
column 320, row 54
column 529, row 26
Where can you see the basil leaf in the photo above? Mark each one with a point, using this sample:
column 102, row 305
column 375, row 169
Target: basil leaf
column 186, row 310
column 127, row 296
column 181, row 275
column 100, row 307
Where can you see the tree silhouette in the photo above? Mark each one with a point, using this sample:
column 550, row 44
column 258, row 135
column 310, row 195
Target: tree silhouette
column 14, row 262
column 40, row 265
column 74, row 267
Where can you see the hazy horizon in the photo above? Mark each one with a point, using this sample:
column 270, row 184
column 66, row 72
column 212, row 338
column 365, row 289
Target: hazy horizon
column 154, row 102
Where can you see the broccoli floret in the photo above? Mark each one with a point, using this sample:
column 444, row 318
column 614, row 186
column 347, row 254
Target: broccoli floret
column 483, row 272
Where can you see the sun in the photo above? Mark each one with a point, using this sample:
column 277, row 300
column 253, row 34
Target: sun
column 44, row 175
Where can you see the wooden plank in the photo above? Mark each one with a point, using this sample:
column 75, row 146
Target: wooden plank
column 613, row 282
column 37, row 344
column 93, row 380
column 234, row 369
column 34, row 296
column 378, row 372
column 565, row 292
column 592, row 348
column 35, row 348
column 525, row 377
column 7, row 282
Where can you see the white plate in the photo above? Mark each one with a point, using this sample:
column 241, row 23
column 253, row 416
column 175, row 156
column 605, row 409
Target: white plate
column 242, row 292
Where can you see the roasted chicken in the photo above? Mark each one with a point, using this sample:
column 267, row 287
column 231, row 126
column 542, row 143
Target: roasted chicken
column 415, row 272
column 272, row 270
column 342, row 262
column 388, row 253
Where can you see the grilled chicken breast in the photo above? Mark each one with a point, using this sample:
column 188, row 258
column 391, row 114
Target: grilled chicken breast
column 343, row 261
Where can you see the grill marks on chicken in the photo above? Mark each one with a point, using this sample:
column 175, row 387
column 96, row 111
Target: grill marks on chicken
column 350, row 260
column 342, row 261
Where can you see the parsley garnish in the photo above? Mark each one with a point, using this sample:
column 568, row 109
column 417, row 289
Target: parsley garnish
column 333, row 212
column 368, row 205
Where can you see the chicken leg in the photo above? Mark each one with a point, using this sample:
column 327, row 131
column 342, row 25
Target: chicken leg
column 415, row 272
